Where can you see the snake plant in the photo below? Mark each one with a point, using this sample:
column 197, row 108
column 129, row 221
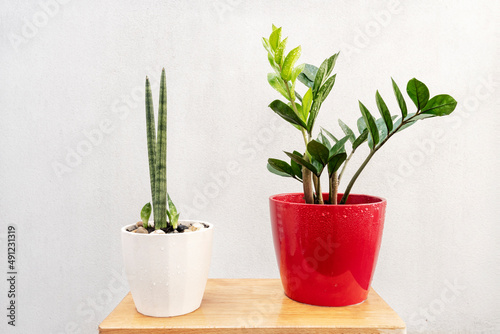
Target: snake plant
column 157, row 155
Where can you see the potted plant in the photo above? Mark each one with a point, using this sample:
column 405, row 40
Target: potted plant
column 166, row 259
column 327, row 243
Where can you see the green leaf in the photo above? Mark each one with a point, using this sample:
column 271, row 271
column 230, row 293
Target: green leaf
column 331, row 64
column 279, row 54
column 335, row 162
column 330, row 134
column 275, row 38
column 384, row 111
column 418, row 92
column 372, row 127
column 408, row 124
column 291, row 58
column 145, row 214
column 312, row 115
column 171, row 206
column 175, row 221
column 281, row 166
column 339, row 146
column 286, row 113
column 303, row 162
column 318, row 151
column 298, row 96
column 277, row 83
column 295, row 73
column 400, row 98
column 322, row 139
column 306, row 103
column 347, row 131
column 326, row 88
column 310, row 72
column 361, row 125
column 297, row 169
column 319, row 166
column 265, row 43
column 360, row 140
column 274, row 27
column 423, row 116
column 302, row 78
column 440, row 105
column 413, row 118
column 273, row 64
column 172, row 212
column 275, row 171
column 308, row 75
column 300, row 111
column 319, row 98
column 319, row 78
column 382, row 128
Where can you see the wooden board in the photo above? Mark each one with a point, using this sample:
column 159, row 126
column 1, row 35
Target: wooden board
column 257, row 306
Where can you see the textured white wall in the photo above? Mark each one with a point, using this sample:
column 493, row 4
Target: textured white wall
column 77, row 69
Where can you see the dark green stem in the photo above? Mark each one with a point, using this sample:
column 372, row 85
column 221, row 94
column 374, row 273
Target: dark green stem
column 372, row 153
column 345, row 165
column 360, row 169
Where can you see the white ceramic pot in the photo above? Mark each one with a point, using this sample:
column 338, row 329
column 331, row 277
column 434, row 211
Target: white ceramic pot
column 167, row 273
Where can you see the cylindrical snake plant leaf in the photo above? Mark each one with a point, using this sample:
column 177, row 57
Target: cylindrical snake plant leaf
column 160, row 208
column 151, row 132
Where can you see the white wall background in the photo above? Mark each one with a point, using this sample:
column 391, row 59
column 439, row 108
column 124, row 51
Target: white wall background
column 78, row 68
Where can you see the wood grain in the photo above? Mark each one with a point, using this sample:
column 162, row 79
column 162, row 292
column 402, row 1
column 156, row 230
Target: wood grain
column 257, row 306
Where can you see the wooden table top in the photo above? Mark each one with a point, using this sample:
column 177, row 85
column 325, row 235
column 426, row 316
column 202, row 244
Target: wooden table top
column 257, row 306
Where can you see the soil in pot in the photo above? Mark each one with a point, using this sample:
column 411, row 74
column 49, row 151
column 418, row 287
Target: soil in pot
column 181, row 228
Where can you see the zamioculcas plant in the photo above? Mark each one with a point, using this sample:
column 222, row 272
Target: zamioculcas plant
column 326, row 154
column 157, row 154
column 351, row 232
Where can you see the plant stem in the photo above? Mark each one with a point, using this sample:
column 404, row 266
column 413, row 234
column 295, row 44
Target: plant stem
column 334, row 188
column 372, row 153
column 306, row 174
column 306, row 138
column 307, row 185
column 330, row 190
column 294, row 107
column 351, row 183
column 315, row 181
column 319, row 195
column 345, row 164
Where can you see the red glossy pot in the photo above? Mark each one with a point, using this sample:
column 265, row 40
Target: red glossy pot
column 327, row 253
